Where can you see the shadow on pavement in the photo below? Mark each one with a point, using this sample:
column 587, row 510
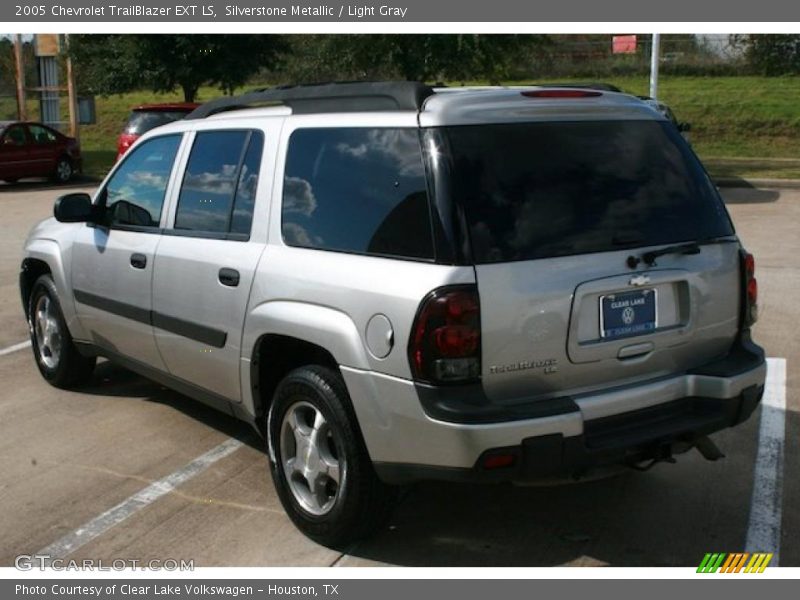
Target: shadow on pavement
column 116, row 381
column 741, row 191
column 669, row 516
column 42, row 184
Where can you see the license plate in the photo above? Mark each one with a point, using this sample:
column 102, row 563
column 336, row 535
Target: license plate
column 627, row 313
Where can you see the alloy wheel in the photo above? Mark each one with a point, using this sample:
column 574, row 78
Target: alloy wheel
column 47, row 330
column 311, row 462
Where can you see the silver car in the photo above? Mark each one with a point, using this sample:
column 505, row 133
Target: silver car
column 395, row 283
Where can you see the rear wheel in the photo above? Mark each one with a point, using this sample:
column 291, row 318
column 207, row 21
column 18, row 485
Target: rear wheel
column 64, row 171
column 58, row 359
column 320, row 466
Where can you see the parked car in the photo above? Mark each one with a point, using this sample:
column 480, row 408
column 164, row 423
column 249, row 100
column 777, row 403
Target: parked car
column 36, row 150
column 145, row 117
column 393, row 283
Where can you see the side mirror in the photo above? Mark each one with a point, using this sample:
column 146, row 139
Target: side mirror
column 682, row 127
column 73, row 208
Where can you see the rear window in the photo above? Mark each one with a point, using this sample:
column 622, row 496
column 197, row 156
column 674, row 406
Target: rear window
column 357, row 190
column 539, row 190
column 142, row 121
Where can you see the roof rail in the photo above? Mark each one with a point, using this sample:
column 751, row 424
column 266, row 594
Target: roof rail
column 329, row 97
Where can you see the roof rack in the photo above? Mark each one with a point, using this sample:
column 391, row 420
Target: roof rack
column 329, row 97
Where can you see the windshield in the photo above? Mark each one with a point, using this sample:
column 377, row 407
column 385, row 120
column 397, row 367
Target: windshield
column 539, row 190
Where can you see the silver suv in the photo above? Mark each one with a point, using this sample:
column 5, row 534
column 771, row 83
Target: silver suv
column 394, row 283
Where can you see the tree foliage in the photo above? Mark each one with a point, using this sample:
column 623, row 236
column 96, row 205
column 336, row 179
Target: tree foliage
column 113, row 64
column 771, row 54
column 418, row 57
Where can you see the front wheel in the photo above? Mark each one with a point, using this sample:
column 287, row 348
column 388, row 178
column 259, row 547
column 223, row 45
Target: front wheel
column 58, row 359
column 320, row 467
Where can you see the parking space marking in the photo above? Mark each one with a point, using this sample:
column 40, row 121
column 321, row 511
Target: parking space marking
column 15, row 348
column 116, row 515
column 764, row 525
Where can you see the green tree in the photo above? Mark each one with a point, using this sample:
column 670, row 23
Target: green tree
column 113, row 64
column 771, row 54
column 419, row 57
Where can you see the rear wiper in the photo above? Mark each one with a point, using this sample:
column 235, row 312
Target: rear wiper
column 649, row 258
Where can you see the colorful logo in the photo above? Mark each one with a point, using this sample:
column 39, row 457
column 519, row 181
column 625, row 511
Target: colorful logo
column 721, row 562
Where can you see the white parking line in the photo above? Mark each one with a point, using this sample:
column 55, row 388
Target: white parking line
column 764, row 526
column 15, row 348
column 114, row 516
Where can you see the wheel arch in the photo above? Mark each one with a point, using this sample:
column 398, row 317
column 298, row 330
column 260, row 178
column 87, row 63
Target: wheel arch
column 43, row 256
column 283, row 335
column 30, row 270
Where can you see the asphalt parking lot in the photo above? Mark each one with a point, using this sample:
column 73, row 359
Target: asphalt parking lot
column 67, row 458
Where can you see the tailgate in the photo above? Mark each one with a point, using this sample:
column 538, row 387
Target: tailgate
column 542, row 320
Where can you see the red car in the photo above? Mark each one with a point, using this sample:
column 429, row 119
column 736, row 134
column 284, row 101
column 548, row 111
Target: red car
column 36, row 150
column 147, row 116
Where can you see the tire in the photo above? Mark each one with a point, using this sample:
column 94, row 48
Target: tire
column 64, row 170
column 58, row 359
column 351, row 502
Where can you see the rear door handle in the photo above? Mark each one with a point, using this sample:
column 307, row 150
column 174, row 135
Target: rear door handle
column 138, row 261
column 229, row 277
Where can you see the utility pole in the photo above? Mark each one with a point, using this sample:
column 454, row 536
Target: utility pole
column 19, row 67
column 71, row 95
column 654, row 55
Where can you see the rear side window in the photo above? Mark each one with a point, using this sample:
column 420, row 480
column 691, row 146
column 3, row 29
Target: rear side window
column 218, row 189
column 15, row 135
column 539, row 190
column 357, row 190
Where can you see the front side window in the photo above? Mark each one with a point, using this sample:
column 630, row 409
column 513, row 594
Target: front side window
column 357, row 190
column 42, row 135
column 218, row 189
column 134, row 196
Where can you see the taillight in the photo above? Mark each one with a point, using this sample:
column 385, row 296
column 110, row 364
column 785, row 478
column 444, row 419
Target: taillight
column 445, row 344
column 750, row 288
column 125, row 141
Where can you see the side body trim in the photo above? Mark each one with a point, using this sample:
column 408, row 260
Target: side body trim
column 193, row 331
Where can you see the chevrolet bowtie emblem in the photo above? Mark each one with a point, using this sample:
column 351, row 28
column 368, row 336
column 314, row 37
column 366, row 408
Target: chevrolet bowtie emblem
column 640, row 280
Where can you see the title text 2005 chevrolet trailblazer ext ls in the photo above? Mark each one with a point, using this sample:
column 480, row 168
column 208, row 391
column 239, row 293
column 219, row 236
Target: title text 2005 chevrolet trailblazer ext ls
column 394, row 283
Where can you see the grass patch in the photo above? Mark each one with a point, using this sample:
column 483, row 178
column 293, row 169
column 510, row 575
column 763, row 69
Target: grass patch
column 96, row 163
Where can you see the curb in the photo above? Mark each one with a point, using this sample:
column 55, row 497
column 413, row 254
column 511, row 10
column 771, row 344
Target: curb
column 738, row 182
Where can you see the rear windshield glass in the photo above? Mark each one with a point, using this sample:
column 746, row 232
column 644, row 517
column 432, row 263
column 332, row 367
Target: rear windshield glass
column 539, row 190
column 141, row 121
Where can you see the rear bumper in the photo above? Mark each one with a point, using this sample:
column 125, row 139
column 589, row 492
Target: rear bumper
column 417, row 433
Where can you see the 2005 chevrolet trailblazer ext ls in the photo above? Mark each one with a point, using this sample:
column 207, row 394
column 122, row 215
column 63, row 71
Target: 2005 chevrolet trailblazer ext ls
column 393, row 282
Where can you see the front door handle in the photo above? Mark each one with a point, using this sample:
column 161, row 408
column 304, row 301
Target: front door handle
column 229, row 277
column 138, row 261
